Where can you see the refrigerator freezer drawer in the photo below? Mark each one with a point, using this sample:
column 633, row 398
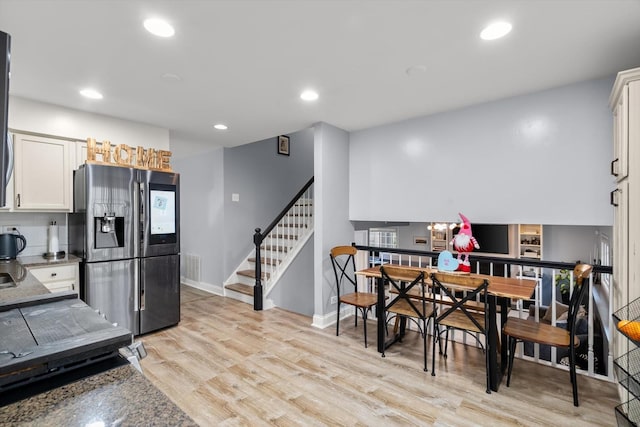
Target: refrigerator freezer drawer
column 110, row 288
column 159, row 292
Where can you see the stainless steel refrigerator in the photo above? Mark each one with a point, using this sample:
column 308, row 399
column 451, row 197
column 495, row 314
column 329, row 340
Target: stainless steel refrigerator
column 126, row 229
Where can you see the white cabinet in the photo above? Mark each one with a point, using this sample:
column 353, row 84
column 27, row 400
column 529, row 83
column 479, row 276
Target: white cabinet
column 80, row 149
column 530, row 241
column 441, row 235
column 62, row 277
column 625, row 104
column 42, row 173
column 619, row 164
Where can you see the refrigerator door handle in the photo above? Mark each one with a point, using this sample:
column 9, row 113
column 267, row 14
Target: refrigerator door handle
column 142, row 300
column 137, row 292
column 142, row 214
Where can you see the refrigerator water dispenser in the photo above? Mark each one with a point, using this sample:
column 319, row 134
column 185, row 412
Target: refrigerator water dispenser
column 109, row 231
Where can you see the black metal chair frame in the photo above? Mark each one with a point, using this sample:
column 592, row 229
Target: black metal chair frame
column 403, row 294
column 458, row 304
column 342, row 275
column 574, row 305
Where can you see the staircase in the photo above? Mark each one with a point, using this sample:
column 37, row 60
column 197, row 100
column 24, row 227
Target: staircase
column 279, row 245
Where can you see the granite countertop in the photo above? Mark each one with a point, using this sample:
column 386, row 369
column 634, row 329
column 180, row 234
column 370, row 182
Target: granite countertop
column 26, row 285
column 40, row 261
column 119, row 396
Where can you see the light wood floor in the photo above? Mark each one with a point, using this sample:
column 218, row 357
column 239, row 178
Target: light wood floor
column 225, row 364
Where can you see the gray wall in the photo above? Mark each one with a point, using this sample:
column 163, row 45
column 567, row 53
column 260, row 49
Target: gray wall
column 295, row 289
column 202, row 212
column 353, row 171
column 568, row 243
column 332, row 226
column 265, row 181
column 526, row 159
column 221, row 231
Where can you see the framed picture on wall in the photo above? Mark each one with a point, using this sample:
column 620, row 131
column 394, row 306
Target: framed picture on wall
column 283, row 145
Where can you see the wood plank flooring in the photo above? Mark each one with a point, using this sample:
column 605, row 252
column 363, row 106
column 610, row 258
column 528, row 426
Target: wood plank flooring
column 225, row 364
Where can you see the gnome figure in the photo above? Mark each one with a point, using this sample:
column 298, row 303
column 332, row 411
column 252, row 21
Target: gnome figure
column 464, row 243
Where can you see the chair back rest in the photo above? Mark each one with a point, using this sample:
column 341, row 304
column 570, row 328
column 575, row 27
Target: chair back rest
column 450, row 284
column 580, row 273
column 404, row 280
column 344, row 267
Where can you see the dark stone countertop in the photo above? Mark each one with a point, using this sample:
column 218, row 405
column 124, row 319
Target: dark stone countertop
column 120, row 396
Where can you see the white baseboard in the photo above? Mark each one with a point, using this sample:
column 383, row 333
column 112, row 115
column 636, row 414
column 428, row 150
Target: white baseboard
column 221, row 291
column 329, row 319
column 207, row 287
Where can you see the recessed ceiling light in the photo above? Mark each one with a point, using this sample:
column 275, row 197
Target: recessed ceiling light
column 309, row 95
column 171, row 76
column 159, row 27
column 495, row 30
column 220, row 126
column 91, row 93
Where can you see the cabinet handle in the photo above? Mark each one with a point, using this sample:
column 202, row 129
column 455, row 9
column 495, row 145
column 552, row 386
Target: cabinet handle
column 612, row 197
column 54, row 274
column 18, row 199
column 613, row 172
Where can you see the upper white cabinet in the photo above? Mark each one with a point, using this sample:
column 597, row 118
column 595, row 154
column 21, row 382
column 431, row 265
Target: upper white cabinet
column 619, row 164
column 42, row 177
column 80, row 149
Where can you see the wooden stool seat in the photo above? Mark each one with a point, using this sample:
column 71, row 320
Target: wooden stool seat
column 360, row 299
column 404, row 309
column 542, row 333
column 459, row 320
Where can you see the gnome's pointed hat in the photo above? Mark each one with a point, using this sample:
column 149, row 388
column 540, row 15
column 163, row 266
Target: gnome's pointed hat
column 466, row 226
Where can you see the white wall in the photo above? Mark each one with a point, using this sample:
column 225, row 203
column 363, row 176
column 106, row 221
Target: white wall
column 33, row 116
column 33, row 226
column 539, row 158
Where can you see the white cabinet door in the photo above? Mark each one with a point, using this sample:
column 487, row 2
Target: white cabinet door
column 42, row 174
column 63, row 277
column 81, row 154
column 620, row 166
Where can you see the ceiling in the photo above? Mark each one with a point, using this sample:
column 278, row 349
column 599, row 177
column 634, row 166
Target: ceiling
column 244, row 63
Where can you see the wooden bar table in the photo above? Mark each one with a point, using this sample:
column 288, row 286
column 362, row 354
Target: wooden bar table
column 500, row 291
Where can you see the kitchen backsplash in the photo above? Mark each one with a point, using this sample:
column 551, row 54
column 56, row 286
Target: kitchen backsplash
column 33, row 226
